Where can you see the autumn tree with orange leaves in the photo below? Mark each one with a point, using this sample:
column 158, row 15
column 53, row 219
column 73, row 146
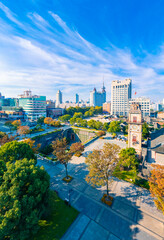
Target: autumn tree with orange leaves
column 23, row 130
column 32, row 144
column 156, row 182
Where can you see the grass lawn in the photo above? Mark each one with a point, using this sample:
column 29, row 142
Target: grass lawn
column 131, row 176
column 60, row 218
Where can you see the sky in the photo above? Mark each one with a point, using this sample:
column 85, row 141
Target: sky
column 75, row 45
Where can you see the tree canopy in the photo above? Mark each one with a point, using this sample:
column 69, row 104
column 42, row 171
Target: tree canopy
column 101, row 164
column 114, row 127
column 128, row 158
column 24, row 195
column 145, row 130
column 14, row 150
column 156, row 182
column 61, row 152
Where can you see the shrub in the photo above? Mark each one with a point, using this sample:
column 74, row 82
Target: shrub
column 101, row 133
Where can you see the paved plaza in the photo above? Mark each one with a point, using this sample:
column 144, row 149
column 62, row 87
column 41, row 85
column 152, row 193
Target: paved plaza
column 132, row 215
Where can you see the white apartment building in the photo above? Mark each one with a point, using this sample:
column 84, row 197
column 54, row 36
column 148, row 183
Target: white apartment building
column 144, row 104
column 121, row 92
column 58, row 98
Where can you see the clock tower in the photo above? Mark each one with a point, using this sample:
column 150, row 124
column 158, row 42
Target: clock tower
column 135, row 128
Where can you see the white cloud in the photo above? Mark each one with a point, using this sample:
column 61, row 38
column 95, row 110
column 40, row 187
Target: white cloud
column 46, row 59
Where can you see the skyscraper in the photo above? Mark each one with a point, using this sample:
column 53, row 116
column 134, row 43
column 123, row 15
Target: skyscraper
column 58, row 98
column 77, row 98
column 97, row 98
column 121, row 92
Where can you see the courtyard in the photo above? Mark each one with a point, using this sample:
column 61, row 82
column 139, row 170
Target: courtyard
column 132, row 215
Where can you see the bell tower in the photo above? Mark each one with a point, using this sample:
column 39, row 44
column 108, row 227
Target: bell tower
column 135, row 128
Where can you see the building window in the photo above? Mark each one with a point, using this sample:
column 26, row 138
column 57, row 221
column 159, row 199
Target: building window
column 134, row 119
column 134, row 139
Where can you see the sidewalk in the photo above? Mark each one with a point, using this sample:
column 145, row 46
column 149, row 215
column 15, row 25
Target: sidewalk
column 132, row 215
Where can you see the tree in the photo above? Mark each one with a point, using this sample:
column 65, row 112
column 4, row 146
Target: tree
column 24, row 195
column 4, row 138
column 9, row 125
column 77, row 148
column 16, row 123
column 105, row 126
column 72, row 121
column 61, row 152
column 40, row 120
column 125, row 129
column 32, row 144
column 84, row 123
column 2, row 170
column 65, row 118
column 156, row 183
column 101, row 164
column 98, row 125
column 100, row 133
column 55, row 123
column 23, row 130
column 98, row 109
column 145, row 130
column 12, row 151
column 91, row 123
column 48, row 120
column 114, row 127
column 77, row 115
column 128, row 158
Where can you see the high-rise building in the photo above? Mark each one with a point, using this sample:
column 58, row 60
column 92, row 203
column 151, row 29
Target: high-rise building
column 58, row 98
column 121, row 92
column 97, row 98
column 34, row 106
column 144, row 105
column 77, row 98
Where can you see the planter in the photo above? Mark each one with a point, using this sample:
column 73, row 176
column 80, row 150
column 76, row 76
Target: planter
column 65, row 179
column 106, row 200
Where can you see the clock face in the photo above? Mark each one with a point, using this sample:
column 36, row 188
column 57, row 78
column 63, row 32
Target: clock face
column 134, row 127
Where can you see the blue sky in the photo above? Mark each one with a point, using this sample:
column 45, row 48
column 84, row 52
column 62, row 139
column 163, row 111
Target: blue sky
column 46, row 45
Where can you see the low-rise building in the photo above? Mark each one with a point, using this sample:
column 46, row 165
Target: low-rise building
column 160, row 115
column 107, row 107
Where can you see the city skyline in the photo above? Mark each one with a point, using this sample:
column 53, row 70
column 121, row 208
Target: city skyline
column 46, row 46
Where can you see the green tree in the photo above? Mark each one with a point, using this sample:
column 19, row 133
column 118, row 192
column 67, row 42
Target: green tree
column 128, row 158
column 91, row 123
column 24, row 195
column 98, row 125
column 145, row 130
column 114, row 127
column 98, row 109
column 78, row 115
column 9, row 125
column 62, row 153
column 2, row 170
column 105, row 126
column 12, row 151
column 40, row 120
column 72, row 121
column 101, row 164
column 84, row 123
column 65, row 118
